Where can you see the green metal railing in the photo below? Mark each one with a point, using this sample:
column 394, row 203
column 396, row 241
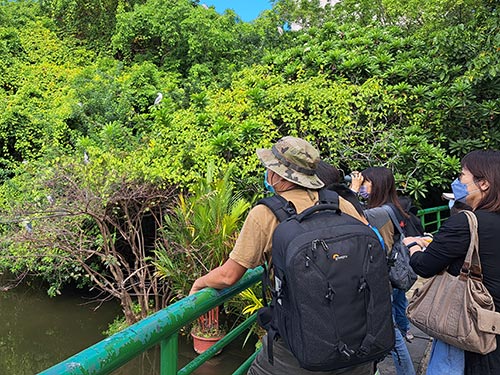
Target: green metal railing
column 432, row 218
column 162, row 328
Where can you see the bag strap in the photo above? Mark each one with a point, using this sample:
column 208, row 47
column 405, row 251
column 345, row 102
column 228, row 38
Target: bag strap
column 265, row 284
column 328, row 200
column 379, row 236
column 280, row 207
column 326, row 196
column 392, row 215
column 472, row 264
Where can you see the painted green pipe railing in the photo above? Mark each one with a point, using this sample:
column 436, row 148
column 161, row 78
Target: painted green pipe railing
column 436, row 213
column 162, row 328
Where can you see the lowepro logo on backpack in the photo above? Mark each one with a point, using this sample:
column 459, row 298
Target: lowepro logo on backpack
column 331, row 297
column 337, row 257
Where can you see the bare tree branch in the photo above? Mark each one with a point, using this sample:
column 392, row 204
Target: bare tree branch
column 110, row 235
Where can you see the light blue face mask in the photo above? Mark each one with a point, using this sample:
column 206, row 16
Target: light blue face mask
column 362, row 191
column 267, row 185
column 459, row 190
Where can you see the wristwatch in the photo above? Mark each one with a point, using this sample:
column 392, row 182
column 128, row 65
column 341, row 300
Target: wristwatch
column 410, row 245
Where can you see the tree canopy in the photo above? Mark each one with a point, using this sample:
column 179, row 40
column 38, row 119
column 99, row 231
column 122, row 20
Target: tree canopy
column 124, row 95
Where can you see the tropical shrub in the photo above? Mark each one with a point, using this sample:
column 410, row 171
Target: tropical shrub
column 36, row 99
column 200, row 231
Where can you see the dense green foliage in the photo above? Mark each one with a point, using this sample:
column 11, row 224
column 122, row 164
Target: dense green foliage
column 201, row 231
column 412, row 85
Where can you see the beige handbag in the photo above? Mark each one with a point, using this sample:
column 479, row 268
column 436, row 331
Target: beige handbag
column 458, row 310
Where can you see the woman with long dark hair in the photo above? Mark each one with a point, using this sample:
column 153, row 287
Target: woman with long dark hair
column 379, row 187
column 376, row 185
column 478, row 185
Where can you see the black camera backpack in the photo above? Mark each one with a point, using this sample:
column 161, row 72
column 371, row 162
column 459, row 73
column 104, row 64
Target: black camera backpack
column 331, row 301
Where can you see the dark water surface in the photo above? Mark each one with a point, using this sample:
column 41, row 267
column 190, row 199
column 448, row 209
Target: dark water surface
column 37, row 331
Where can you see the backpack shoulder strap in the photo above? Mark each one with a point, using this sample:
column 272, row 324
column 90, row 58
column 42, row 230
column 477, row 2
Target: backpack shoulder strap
column 327, row 196
column 280, row 207
column 379, row 236
column 392, row 215
column 397, row 213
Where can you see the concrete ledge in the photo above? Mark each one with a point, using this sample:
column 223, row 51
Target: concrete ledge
column 422, row 367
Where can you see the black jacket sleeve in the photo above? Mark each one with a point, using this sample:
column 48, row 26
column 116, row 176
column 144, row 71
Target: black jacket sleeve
column 447, row 250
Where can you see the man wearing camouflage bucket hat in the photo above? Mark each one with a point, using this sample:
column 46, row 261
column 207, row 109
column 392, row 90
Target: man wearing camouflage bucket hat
column 290, row 172
column 293, row 159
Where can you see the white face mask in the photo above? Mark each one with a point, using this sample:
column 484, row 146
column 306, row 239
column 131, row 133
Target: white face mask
column 451, row 203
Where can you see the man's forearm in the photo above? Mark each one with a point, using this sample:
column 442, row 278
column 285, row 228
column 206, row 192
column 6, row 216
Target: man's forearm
column 221, row 277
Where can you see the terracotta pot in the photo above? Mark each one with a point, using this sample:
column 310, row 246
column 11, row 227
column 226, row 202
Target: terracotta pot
column 201, row 344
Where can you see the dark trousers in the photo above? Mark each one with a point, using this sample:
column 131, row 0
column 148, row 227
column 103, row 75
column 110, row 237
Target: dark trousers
column 286, row 364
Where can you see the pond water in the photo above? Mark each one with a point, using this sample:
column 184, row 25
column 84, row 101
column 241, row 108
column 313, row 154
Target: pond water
column 37, row 332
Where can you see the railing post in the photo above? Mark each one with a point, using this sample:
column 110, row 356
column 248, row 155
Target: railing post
column 168, row 355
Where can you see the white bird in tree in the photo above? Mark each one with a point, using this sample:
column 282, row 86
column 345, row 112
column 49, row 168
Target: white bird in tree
column 204, row 6
column 158, row 98
column 86, row 158
column 28, row 226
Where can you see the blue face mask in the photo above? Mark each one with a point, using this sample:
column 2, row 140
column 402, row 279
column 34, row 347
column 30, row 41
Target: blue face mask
column 267, row 185
column 459, row 189
column 362, row 191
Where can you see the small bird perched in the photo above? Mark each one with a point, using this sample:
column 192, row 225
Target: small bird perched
column 158, row 98
column 86, row 158
column 28, row 226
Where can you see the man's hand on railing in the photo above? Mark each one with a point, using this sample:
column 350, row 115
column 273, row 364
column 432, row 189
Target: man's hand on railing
column 221, row 277
column 197, row 286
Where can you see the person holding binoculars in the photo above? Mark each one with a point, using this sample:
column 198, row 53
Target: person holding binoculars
column 377, row 187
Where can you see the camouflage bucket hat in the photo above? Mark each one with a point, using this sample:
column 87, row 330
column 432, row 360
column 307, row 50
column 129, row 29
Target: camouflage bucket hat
column 293, row 159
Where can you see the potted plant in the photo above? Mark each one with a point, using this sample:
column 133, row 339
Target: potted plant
column 206, row 331
column 198, row 236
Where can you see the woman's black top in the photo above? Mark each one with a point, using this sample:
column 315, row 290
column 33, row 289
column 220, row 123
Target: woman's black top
column 448, row 249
